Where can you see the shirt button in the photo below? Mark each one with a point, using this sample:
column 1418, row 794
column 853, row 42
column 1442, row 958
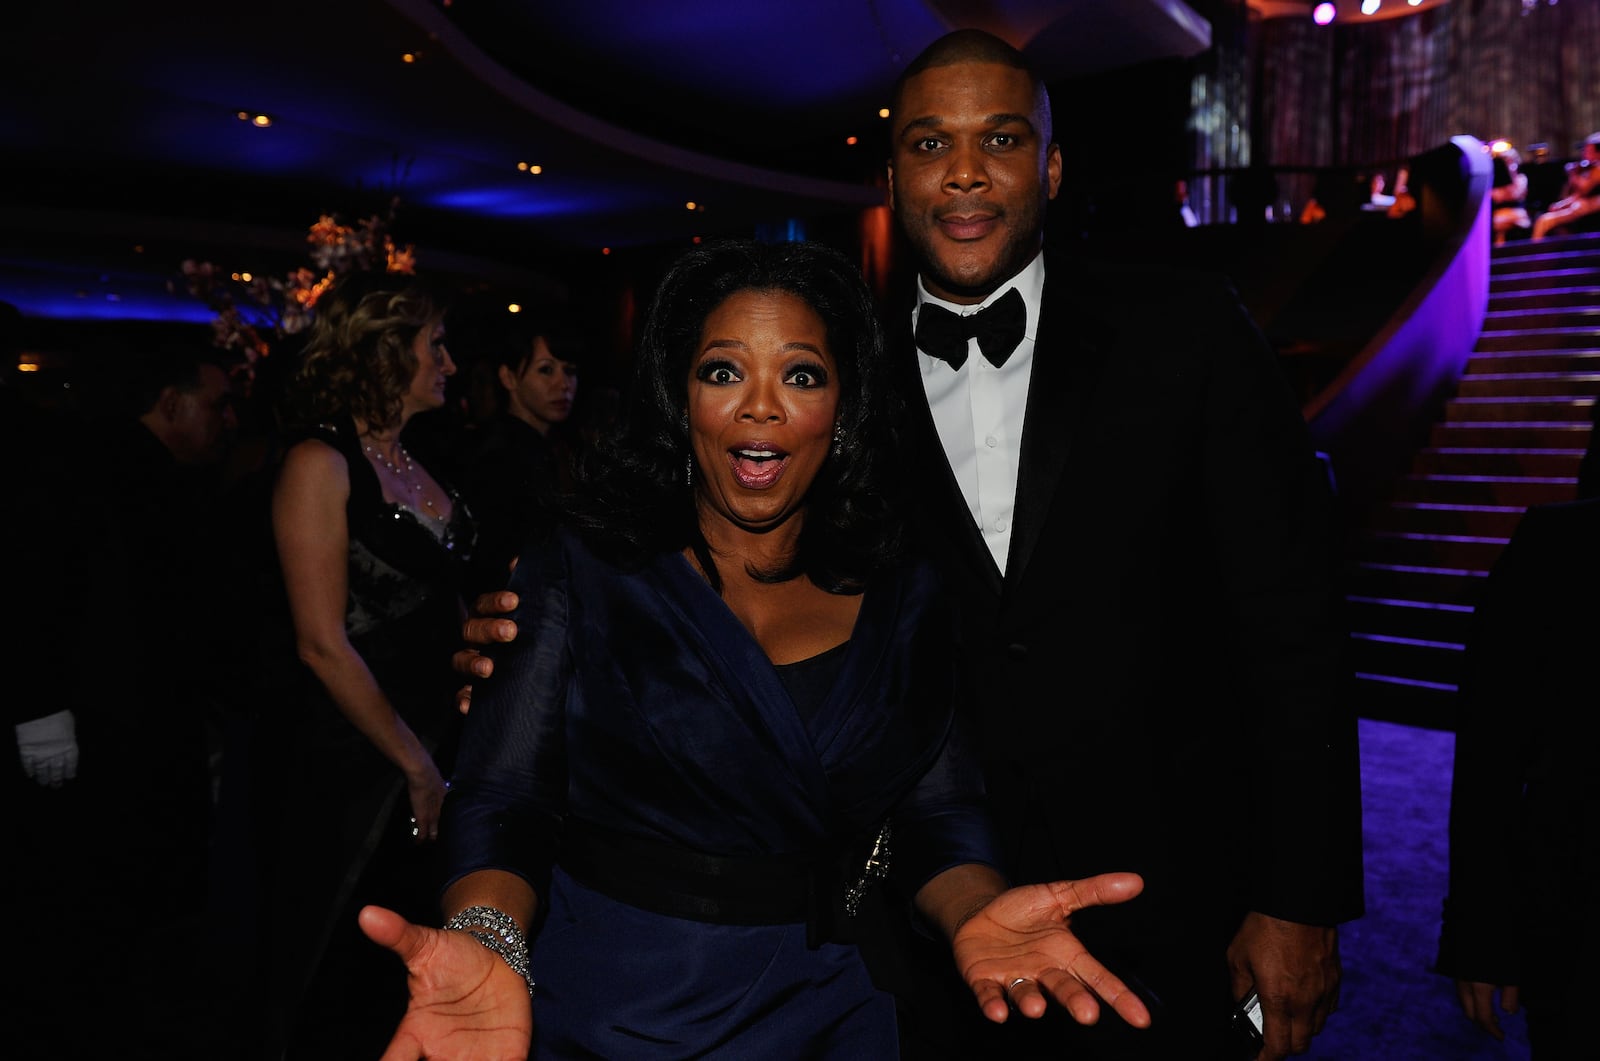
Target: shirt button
column 1000, row 525
column 991, row 441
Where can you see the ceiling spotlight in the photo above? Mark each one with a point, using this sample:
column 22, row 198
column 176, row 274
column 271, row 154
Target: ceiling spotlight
column 1370, row 7
column 1322, row 14
column 850, row 140
column 260, row 121
column 883, row 112
column 515, row 307
column 691, row 205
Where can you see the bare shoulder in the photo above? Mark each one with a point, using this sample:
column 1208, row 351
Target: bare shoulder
column 313, row 467
column 313, row 457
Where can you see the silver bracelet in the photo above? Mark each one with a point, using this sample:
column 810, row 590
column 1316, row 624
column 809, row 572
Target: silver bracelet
column 503, row 936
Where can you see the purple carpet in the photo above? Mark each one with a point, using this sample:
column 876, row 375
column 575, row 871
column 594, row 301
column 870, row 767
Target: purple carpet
column 1392, row 1006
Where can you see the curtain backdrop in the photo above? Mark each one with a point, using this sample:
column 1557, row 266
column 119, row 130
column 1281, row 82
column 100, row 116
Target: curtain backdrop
column 1286, row 94
column 1359, row 94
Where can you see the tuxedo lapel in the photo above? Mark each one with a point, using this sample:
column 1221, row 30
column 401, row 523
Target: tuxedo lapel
column 1065, row 360
column 937, row 494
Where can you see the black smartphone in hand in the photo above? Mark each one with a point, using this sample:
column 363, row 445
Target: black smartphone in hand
column 1247, row 1024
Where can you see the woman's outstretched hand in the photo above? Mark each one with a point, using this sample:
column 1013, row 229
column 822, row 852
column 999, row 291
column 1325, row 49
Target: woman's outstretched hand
column 1020, row 947
column 466, row 1003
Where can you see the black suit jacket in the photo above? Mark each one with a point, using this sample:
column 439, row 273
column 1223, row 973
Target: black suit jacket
column 1525, row 804
column 1163, row 665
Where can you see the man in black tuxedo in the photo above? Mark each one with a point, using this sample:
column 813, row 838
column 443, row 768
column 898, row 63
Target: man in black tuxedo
column 1138, row 532
column 1525, row 800
column 1121, row 493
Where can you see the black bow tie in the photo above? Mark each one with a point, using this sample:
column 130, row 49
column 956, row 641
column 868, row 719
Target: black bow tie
column 999, row 329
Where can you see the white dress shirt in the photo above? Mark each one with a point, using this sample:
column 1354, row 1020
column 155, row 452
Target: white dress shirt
column 978, row 411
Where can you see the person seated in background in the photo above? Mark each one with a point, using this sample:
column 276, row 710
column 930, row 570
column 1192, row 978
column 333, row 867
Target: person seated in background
column 731, row 720
column 523, row 455
column 1509, row 195
column 1404, row 200
column 1524, row 804
column 1180, row 197
column 1376, row 195
column 1580, row 197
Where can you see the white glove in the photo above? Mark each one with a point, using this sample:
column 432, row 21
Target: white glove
column 48, row 748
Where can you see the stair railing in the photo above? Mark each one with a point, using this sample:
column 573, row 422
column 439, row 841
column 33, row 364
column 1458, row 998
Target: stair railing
column 1378, row 410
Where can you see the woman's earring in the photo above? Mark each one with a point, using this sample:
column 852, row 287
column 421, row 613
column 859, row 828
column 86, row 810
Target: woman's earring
column 688, row 455
column 838, row 440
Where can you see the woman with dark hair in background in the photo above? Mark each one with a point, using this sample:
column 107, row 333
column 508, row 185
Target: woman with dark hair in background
column 729, row 717
column 523, row 459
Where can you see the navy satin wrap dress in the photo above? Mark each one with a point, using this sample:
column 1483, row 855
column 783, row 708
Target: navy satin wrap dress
column 635, row 701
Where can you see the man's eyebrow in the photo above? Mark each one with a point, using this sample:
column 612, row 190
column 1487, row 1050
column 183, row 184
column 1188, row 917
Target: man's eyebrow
column 1006, row 118
column 934, row 121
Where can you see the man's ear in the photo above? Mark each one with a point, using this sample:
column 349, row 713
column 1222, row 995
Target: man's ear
column 167, row 403
column 889, row 168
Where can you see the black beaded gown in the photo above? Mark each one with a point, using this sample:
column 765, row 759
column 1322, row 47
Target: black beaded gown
column 332, row 811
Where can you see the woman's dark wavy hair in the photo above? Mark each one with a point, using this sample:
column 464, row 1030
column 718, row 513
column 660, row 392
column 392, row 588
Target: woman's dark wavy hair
column 358, row 359
column 633, row 500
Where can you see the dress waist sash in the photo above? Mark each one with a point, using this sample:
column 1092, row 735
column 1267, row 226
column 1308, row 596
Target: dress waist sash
column 720, row 889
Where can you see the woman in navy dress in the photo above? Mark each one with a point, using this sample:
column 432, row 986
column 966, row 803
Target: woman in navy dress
column 729, row 718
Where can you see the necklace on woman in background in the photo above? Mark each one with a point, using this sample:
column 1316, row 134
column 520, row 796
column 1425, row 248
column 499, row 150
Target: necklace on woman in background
column 406, row 472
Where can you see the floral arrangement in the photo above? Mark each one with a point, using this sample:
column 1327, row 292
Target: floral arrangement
column 254, row 310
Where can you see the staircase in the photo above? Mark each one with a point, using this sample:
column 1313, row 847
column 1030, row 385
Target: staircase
column 1512, row 437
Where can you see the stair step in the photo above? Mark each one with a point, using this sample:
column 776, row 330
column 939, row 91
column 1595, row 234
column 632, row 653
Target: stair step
column 1438, row 517
column 1575, row 316
column 1533, row 360
column 1518, row 248
column 1469, row 489
column 1528, row 384
column 1389, row 698
column 1535, row 435
column 1542, row 279
column 1470, row 552
column 1562, row 259
column 1579, row 337
column 1420, row 620
column 1415, row 658
column 1445, row 585
column 1502, row 461
column 1545, row 298
column 1542, row 408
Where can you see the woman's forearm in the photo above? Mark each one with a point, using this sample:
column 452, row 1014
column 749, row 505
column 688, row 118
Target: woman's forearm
column 498, row 888
column 353, row 689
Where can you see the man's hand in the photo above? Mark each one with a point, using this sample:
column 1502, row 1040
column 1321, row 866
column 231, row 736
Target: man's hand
column 48, row 748
column 1477, row 1002
column 486, row 625
column 1295, row 970
column 1018, row 950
